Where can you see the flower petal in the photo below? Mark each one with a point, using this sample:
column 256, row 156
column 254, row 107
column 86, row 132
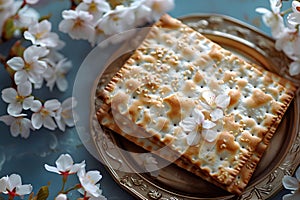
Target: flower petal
column 15, row 128
column 94, row 176
column 193, row 138
column 36, row 106
column 27, row 103
column 209, row 135
column 52, row 104
column 29, row 36
column 188, row 124
column 216, row 114
column 3, row 184
column 7, row 119
column 198, row 116
column 51, row 169
column 294, row 68
column 60, row 123
column 9, row 95
column 32, row 1
column 26, row 125
column 16, row 63
column 49, row 123
column 208, row 124
column 62, row 84
column 25, row 89
column 75, row 168
column 69, row 103
column 262, row 10
column 209, row 97
column 290, row 183
column 14, row 181
column 14, row 108
column 37, row 120
column 222, row 101
column 23, row 189
column 64, row 163
column 21, row 77
column 294, row 196
column 61, row 197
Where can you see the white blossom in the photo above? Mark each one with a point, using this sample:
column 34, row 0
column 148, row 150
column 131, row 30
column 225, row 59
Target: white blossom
column 18, row 99
column 116, row 21
column 61, row 197
column 43, row 114
column 272, row 18
column 289, row 43
column 78, row 24
column 197, row 124
column 12, row 185
column 215, row 104
column 66, row 115
column 294, row 18
column 30, row 67
column 56, row 74
column 40, row 34
column 19, row 125
column 88, row 181
column 292, row 183
column 95, row 7
column 65, row 165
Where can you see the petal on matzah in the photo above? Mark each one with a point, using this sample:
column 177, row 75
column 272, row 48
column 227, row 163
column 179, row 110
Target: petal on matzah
column 168, row 77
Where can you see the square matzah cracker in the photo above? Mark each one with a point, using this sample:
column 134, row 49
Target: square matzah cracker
column 182, row 92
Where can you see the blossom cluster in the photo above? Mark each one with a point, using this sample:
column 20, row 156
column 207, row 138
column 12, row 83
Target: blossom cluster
column 88, row 181
column 91, row 19
column 287, row 35
column 30, row 66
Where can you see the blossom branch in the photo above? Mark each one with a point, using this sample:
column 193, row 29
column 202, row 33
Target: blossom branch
column 87, row 182
column 286, row 33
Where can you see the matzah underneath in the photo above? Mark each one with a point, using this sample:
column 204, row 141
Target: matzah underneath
column 202, row 104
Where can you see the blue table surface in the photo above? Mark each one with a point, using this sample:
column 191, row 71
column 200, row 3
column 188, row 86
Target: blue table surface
column 28, row 156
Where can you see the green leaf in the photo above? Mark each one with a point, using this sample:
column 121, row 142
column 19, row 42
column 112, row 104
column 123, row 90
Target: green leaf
column 8, row 29
column 43, row 193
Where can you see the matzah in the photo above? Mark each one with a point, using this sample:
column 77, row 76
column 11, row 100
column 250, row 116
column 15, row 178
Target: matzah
column 202, row 104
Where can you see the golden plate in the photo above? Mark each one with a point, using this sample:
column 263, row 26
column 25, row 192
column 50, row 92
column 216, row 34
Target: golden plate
column 173, row 183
